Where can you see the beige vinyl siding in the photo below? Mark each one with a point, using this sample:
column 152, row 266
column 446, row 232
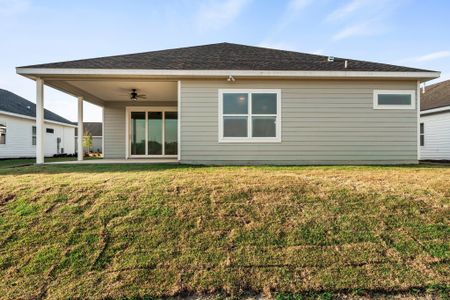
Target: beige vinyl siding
column 322, row 121
column 114, row 132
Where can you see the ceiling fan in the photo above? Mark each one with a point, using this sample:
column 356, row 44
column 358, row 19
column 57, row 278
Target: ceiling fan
column 134, row 95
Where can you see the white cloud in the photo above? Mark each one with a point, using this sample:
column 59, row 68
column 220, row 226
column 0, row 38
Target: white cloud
column 319, row 52
column 13, row 7
column 363, row 17
column 298, row 5
column 346, row 10
column 292, row 10
column 217, row 14
column 361, row 29
column 277, row 45
column 433, row 56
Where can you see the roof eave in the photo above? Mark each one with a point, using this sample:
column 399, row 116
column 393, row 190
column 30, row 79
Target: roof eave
column 60, row 72
column 435, row 110
column 34, row 118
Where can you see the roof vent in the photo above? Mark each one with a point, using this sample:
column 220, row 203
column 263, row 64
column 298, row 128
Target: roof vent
column 28, row 107
column 331, row 58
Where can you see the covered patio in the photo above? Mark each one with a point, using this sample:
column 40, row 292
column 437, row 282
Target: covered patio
column 140, row 114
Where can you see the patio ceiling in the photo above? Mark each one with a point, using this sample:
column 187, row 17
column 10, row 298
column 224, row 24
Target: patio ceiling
column 99, row 91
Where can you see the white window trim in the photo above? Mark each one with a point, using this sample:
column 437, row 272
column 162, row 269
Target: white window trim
column 249, row 139
column 6, row 127
column 33, row 135
column 412, row 93
column 146, row 109
column 421, row 134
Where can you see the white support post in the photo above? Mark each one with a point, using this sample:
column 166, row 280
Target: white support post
column 80, row 129
column 418, row 119
column 39, row 121
column 179, row 120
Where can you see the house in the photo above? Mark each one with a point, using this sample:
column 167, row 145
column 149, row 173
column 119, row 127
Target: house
column 95, row 130
column 435, row 122
column 235, row 104
column 18, row 134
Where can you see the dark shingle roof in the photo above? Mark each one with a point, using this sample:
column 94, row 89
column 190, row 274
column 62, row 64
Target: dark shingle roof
column 436, row 95
column 94, row 128
column 12, row 103
column 225, row 56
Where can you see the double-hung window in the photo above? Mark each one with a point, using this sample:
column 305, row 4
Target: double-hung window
column 394, row 99
column 33, row 135
column 2, row 133
column 422, row 134
column 249, row 115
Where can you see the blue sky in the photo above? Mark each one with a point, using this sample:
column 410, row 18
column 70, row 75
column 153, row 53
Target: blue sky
column 406, row 32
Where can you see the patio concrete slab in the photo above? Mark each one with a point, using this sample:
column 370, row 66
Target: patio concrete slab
column 117, row 161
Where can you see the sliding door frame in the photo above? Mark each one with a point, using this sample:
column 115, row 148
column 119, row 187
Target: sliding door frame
column 147, row 109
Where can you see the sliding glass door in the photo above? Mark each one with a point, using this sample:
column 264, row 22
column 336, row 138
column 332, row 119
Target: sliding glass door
column 153, row 133
column 138, row 133
column 171, row 133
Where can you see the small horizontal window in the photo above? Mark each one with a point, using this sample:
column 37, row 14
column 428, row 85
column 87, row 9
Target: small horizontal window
column 50, row 130
column 393, row 99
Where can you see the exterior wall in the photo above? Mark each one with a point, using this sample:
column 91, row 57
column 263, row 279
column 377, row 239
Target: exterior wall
column 114, row 131
column 323, row 121
column 437, row 136
column 19, row 138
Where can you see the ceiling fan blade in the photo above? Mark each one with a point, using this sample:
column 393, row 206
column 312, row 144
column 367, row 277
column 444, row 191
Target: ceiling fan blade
column 142, row 96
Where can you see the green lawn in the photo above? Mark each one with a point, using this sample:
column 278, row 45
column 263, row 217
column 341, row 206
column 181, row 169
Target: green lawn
column 123, row 231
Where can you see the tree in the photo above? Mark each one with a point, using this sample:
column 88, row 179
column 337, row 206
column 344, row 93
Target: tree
column 87, row 141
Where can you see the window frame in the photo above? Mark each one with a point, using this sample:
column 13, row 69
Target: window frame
column 422, row 134
column 5, row 126
column 50, row 130
column 411, row 93
column 249, row 115
column 33, row 135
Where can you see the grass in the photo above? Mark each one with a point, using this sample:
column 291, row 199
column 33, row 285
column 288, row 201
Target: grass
column 130, row 231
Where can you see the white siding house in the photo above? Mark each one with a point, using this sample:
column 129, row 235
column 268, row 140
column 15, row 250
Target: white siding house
column 435, row 129
column 435, row 122
column 18, row 131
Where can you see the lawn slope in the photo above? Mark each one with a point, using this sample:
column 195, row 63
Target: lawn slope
column 69, row 231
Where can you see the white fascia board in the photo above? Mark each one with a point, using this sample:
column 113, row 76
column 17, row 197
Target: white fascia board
column 435, row 110
column 33, row 118
column 220, row 73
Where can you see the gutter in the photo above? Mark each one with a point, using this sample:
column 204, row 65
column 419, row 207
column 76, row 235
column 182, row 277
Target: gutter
column 42, row 72
column 437, row 110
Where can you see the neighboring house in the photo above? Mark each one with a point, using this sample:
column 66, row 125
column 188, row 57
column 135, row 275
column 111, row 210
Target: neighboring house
column 234, row 104
column 435, row 122
column 95, row 129
column 18, row 129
